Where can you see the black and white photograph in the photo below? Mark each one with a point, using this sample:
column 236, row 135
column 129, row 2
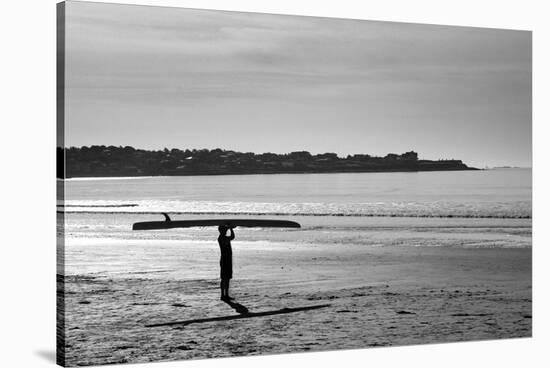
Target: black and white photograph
column 240, row 184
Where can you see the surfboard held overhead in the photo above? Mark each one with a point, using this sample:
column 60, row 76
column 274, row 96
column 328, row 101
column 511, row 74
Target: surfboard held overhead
column 170, row 224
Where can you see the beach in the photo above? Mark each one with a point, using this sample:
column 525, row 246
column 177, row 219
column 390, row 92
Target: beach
column 379, row 260
column 370, row 293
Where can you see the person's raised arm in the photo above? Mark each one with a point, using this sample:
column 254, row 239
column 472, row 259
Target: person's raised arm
column 232, row 234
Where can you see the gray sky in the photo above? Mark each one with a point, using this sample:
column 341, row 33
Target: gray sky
column 155, row 77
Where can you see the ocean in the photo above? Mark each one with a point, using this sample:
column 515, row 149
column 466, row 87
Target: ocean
column 468, row 209
column 504, row 193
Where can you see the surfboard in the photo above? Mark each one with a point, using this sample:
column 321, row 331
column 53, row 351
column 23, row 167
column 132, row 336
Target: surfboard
column 172, row 224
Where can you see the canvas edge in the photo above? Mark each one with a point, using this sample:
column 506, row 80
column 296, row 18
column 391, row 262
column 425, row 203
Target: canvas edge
column 60, row 185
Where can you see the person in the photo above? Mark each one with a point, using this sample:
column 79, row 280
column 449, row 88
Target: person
column 226, row 260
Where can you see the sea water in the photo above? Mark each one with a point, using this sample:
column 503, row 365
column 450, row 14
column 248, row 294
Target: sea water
column 504, row 193
column 469, row 209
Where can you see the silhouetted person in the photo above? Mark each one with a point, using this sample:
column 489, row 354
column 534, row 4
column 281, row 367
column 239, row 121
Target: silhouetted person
column 226, row 260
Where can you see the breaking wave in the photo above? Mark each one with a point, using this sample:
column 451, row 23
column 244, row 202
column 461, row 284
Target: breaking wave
column 504, row 210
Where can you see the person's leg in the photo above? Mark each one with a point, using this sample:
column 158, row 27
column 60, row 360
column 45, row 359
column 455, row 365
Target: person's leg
column 222, row 289
column 227, row 289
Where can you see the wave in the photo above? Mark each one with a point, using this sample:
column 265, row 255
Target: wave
column 101, row 178
column 429, row 209
column 310, row 214
column 98, row 205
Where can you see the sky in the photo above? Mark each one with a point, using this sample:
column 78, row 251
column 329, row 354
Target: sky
column 156, row 77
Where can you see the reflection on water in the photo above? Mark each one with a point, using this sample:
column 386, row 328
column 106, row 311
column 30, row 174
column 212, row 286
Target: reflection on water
column 491, row 193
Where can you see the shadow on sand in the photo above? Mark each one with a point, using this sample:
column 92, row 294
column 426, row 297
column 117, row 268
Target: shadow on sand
column 243, row 313
column 239, row 308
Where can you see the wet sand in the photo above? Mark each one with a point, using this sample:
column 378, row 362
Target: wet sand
column 376, row 296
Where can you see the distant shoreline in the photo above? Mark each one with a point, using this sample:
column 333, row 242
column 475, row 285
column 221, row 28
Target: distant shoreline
column 77, row 178
column 83, row 178
column 111, row 161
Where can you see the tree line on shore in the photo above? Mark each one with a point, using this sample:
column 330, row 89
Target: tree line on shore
column 105, row 161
